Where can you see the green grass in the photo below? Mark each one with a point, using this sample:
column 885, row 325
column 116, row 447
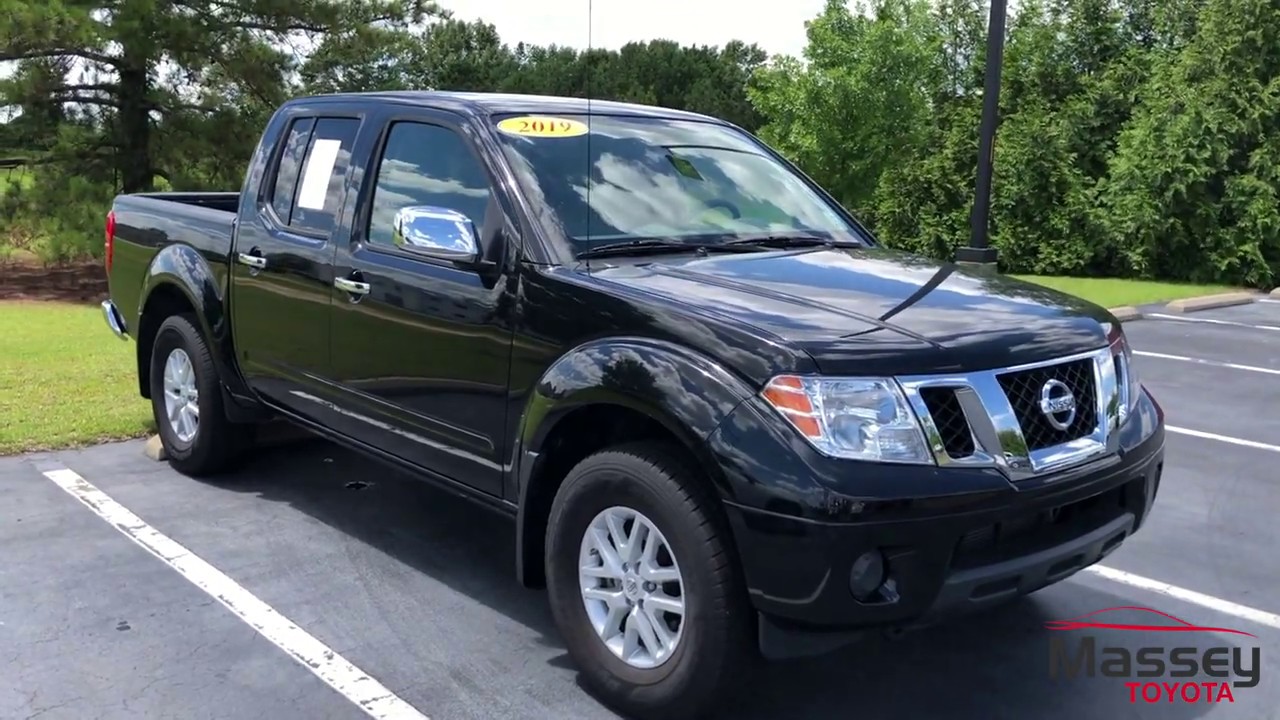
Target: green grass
column 65, row 380
column 1112, row 292
column 21, row 177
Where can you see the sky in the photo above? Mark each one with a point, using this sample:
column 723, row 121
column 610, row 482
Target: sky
column 775, row 27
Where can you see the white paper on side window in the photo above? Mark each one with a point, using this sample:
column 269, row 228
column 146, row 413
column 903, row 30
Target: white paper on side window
column 315, row 177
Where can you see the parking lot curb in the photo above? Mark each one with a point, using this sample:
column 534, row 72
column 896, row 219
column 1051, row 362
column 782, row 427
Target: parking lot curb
column 1125, row 313
column 1207, row 302
column 276, row 433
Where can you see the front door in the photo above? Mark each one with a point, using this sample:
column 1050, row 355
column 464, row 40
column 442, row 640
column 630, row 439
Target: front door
column 282, row 267
column 422, row 351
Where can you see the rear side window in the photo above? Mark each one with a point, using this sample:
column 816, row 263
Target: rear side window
column 313, row 168
column 323, row 173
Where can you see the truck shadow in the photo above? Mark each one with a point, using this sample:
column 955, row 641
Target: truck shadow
column 991, row 665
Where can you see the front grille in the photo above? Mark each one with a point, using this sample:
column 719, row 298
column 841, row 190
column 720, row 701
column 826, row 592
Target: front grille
column 1023, row 390
column 949, row 418
column 996, row 418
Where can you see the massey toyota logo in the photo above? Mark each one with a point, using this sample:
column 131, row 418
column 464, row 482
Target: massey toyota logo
column 1169, row 672
column 1058, row 404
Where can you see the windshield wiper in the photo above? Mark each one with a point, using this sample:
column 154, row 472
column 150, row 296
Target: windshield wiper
column 638, row 247
column 792, row 241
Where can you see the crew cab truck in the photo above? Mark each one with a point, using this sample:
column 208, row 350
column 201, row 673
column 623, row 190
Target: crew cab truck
column 727, row 422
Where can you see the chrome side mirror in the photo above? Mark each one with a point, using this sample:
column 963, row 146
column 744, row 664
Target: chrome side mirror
column 435, row 231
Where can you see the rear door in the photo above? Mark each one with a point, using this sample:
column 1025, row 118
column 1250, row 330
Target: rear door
column 423, row 353
column 282, row 269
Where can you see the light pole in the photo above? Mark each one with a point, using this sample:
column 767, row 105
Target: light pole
column 979, row 252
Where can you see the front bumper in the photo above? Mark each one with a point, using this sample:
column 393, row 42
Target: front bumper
column 985, row 542
column 114, row 319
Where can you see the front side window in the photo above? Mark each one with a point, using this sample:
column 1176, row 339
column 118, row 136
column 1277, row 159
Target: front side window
column 639, row 178
column 426, row 165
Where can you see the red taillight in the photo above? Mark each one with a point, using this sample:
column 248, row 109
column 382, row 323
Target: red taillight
column 111, row 238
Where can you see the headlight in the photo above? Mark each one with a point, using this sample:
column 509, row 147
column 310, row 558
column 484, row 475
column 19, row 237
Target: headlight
column 853, row 418
column 1126, row 375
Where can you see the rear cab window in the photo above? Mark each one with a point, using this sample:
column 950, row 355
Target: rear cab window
column 311, row 173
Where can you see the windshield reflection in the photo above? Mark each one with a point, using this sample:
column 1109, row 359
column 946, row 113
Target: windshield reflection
column 664, row 178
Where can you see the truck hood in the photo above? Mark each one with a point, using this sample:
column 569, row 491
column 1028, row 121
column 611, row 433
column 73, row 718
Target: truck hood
column 875, row 311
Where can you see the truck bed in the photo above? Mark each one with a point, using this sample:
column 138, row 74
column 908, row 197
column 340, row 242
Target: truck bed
column 148, row 223
column 224, row 201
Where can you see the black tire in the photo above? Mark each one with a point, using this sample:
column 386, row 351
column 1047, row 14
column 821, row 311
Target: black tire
column 716, row 647
column 218, row 443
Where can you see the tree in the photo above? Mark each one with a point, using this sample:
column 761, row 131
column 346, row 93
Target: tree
column 1194, row 191
column 138, row 66
column 445, row 54
column 862, row 103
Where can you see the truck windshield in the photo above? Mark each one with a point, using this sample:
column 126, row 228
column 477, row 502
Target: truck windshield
column 660, row 178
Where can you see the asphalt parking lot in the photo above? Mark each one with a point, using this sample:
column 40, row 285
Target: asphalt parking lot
column 404, row 599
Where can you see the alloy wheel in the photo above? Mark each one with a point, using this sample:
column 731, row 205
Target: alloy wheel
column 632, row 587
column 181, row 397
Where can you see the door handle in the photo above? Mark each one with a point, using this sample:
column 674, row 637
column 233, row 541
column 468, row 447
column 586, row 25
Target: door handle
column 354, row 287
column 256, row 262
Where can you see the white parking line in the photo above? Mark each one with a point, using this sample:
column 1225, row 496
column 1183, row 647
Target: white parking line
column 1227, row 607
column 1223, row 438
column 1200, row 361
column 350, row 681
column 1232, row 323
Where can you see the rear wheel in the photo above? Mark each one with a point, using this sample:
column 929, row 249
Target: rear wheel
column 186, row 402
column 643, row 586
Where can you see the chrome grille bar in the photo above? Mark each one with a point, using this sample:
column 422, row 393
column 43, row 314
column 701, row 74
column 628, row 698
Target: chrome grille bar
column 998, row 437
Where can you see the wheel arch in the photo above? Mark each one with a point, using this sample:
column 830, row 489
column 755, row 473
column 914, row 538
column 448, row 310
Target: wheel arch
column 162, row 301
column 180, row 280
column 602, row 394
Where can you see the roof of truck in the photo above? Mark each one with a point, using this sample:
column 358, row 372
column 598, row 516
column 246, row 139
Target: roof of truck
column 483, row 103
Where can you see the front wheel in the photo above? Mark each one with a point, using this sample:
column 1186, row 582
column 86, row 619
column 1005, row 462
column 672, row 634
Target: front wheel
column 643, row 586
column 186, row 402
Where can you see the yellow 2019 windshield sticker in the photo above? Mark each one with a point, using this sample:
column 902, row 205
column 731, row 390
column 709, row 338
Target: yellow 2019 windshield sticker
column 542, row 126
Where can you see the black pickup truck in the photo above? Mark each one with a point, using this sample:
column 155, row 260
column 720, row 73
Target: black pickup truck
column 726, row 421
